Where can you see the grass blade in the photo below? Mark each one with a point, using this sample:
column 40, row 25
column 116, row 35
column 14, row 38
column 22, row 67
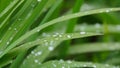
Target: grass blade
column 74, row 64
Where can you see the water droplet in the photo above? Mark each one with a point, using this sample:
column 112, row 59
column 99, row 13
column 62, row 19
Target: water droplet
column 36, row 61
column 32, row 52
column 82, row 32
column 68, row 36
column 60, row 35
column 39, row 0
column 107, row 11
column 118, row 27
column 8, row 43
column 84, row 65
column 15, row 29
column 106, row 65
column 50, row 48
column 38, row 53
column 69, row 61
column 97, row 25
column 61, row 60
column 94, row 66
column 54, row 65
column 11, row 38
column 38, row 30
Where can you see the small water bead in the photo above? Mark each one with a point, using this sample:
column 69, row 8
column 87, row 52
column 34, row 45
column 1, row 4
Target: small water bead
column 36, row 61
column 8, row 42
column 61, row 60
column 39, row 0
column 107, row 65
column 94, row 66
column 97, row 25
column 38, row 30
column 50, row 48
column 84, row 65
column 54, row 65
column 60, row 35
column 118, row 27
column 11, row 38
column 108, row 11
column 38, row 53
column 82, row 32
column 68, row 36
column 69, row 61
column 32, row 52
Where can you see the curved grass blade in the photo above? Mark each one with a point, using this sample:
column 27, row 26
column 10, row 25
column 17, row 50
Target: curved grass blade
column 54, row 38
column 38, row 55
column 60, row 19
column 74, row 64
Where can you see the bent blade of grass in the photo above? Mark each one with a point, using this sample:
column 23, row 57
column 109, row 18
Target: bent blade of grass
column 47, row 45
column 74, row 64
column 91, row 47
column 56, row 37
column 60, row 19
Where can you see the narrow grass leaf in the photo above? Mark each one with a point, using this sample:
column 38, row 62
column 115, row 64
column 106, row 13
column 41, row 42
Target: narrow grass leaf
column 74, row 64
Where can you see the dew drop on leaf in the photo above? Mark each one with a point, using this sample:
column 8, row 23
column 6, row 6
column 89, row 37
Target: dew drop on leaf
column 82, row 32
column 39, row 0
column 50, row 48
column 36, row 61
column 68, row 36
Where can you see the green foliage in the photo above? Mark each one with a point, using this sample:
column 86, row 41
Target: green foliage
column 34, row 32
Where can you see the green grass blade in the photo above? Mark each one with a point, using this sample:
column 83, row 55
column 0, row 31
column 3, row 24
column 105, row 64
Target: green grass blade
column 97, row 28
column 50, row 12
column 48, row 44
column 60, row 19
column 74, row 64
column 17, row 62
column 20, row 28
column 10, row 6
column 11, row 13
column 93, row 47
column 70, row 27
